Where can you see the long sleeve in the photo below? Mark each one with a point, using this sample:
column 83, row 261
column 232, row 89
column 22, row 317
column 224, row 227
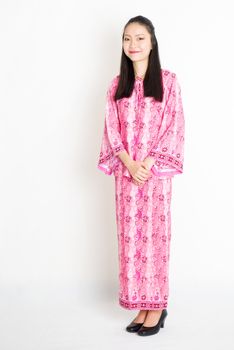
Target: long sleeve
column 111, row 143
column 168, row 151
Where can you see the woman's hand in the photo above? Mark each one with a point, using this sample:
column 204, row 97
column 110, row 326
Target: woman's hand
column 146, row 165
column 140, row 171
column 149, row 161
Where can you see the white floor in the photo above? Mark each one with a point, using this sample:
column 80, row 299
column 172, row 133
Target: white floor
column 59, row 318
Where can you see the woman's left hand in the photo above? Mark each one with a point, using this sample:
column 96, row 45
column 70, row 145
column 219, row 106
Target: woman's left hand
column 148, row 162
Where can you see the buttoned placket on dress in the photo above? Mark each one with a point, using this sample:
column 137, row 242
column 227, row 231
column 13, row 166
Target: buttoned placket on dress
column 139, row 98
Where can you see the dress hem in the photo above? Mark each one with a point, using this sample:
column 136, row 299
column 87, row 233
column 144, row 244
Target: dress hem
column 139, row 305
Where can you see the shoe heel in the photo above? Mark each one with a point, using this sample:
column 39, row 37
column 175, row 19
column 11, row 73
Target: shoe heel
column 162, row 324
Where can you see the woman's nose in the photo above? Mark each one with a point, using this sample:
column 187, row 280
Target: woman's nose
column 133, row 46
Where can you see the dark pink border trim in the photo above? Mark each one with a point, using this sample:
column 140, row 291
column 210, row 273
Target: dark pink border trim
column 140, row 305
column 105, row 170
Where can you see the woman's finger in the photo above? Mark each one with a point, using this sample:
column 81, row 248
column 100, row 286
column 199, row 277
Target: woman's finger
column 138, row 179
column 136, row 182
column 144, row 171
column 142, row 177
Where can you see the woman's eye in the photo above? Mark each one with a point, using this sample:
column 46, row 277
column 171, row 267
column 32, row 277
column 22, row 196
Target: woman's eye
column 126, row 39
column 141, row 38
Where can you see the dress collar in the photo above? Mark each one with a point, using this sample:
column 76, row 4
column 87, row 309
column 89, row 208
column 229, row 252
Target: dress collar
column 138, row 78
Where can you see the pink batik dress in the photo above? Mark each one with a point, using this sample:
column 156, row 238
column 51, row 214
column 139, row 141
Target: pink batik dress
column 144, row 127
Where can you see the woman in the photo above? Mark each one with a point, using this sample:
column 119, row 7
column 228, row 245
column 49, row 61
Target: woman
column 143, row 146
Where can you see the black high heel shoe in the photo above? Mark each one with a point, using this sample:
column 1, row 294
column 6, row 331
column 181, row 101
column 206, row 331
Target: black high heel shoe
column 154, row 329
column 134, row 327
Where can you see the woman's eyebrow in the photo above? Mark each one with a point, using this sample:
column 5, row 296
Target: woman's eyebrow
column 135, row 35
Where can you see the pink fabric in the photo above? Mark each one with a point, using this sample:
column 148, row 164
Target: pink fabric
column 144, row 127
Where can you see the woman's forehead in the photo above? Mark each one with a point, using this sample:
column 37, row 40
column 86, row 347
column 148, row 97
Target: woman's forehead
column 135, row 29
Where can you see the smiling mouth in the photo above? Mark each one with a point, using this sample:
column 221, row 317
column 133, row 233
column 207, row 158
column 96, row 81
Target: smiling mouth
column 134, row 51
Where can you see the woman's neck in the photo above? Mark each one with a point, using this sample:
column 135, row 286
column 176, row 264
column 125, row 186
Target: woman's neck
column 140, row 68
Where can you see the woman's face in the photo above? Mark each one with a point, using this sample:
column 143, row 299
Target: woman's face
column 136, row 42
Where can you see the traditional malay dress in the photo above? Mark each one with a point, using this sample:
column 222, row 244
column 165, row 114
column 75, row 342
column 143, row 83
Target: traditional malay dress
column 144, row 127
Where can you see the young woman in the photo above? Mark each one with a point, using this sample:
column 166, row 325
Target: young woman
column 143, row 146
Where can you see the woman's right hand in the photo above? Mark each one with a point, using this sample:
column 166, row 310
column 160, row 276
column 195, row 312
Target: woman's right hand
column 139, row 171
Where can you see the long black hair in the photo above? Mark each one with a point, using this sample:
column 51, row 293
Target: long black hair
column 153, row 85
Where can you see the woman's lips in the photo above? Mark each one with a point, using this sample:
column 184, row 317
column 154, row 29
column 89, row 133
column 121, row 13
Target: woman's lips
column 134, row 51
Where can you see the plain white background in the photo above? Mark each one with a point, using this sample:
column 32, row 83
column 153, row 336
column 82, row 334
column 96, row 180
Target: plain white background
column 58, row 244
